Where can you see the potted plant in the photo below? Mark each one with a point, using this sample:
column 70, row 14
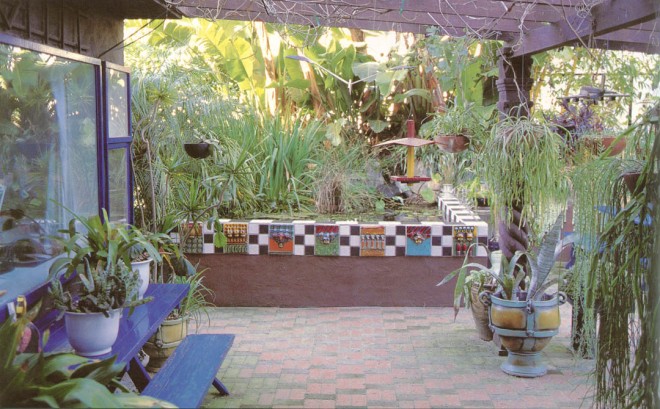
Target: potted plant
column 586, row 130
column 521, row 313
column 522, row 190
column 173, row 330
column 471, row 280
column 33, row 379
column 92, row 313
column 107, row 242
column 457, row 126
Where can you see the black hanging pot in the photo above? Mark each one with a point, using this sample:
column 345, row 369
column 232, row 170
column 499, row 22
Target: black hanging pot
column 198, row 150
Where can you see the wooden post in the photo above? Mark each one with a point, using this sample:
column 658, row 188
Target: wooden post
column 514, row 83
column 410, row 158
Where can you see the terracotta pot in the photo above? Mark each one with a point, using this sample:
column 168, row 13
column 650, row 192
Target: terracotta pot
column 630, row 180
column 452, row 143
column 197, row 150
column 598, row 145
column 480, row 314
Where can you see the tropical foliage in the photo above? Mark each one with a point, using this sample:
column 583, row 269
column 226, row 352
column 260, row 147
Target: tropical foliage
column 60, row 379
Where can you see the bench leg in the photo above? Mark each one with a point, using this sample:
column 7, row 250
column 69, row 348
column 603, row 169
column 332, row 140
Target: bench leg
column 138, row 374
column 220, row 387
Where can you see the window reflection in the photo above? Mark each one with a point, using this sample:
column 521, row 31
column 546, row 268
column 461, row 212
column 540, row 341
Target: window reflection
column 48, row 145
column 118, row 184
column 117, row 103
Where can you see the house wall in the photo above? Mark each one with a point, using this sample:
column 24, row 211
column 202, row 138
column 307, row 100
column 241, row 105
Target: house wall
column 72, row 26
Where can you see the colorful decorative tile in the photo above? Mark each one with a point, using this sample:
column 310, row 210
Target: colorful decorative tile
column 463, row 237
column 418, row 240
column 326, row 241
column 194, row 244
column 280, row 239
column 237, row 238
column 372, row 241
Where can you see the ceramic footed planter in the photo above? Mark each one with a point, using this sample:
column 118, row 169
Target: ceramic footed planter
column 144, row 269
column 524, row 328
column 92, row 333
column 163, row 343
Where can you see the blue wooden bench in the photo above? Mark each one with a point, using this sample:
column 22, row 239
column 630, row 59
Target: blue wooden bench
column 185, row 378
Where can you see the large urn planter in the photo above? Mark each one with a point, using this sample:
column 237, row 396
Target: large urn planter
column 92, row 333
column 524, row 328
column 144, row 270
column 163, row 343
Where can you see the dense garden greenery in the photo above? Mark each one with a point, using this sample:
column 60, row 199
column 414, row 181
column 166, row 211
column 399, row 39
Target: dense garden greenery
column 291, row 137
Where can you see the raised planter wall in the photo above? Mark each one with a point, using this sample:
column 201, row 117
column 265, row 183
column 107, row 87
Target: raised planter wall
column 304, row 263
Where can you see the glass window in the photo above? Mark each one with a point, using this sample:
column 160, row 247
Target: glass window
column 48, row 158
column 117, row 83
column 118, row 185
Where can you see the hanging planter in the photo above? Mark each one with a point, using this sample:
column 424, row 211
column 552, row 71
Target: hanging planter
column 598, row 144
column 630, row 179
column 452, row 143
column 199, row 150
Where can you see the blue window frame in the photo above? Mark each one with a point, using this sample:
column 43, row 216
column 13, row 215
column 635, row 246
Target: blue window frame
column 117, row 187
column 65, row 138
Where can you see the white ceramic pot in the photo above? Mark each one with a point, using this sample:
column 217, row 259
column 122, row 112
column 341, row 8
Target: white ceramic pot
column 144, row 268
column 92, row 334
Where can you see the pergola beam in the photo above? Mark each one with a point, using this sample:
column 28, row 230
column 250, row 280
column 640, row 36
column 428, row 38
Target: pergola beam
column 605, row 18
column 530, row 26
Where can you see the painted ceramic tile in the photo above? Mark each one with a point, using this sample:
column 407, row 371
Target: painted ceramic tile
column 418, row 240
column 372, row 241
column 463, row 237
column 326, row 241
column 237, row 238
column 194, row 244
column 280, row 239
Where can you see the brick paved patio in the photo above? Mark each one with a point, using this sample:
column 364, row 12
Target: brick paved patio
column 382, row 357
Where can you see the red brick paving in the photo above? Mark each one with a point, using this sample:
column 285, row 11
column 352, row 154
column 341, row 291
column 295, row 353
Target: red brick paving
column 382, row 358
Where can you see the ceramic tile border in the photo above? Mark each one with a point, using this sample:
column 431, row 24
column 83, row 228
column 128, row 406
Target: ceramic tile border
column 436, row 238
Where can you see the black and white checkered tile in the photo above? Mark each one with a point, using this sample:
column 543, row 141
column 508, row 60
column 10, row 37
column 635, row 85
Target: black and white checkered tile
column 349, row 237
column 454, row 211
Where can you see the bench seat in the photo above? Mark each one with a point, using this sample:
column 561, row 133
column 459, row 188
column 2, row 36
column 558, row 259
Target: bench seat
column 185, row 378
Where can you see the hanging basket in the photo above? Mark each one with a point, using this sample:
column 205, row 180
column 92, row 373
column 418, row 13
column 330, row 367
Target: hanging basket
column 197, row 150
column 630, row 179
column 452, row 143
column 598, row 145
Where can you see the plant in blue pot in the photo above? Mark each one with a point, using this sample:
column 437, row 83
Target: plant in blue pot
column 522, row 314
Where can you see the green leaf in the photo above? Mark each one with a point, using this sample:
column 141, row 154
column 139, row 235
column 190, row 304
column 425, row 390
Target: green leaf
column 219, row 239
column 299, row 83
column 428, row 195
column 415, row 92
column 377, row 125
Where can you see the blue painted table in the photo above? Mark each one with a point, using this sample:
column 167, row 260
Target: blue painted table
column 134, row 330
